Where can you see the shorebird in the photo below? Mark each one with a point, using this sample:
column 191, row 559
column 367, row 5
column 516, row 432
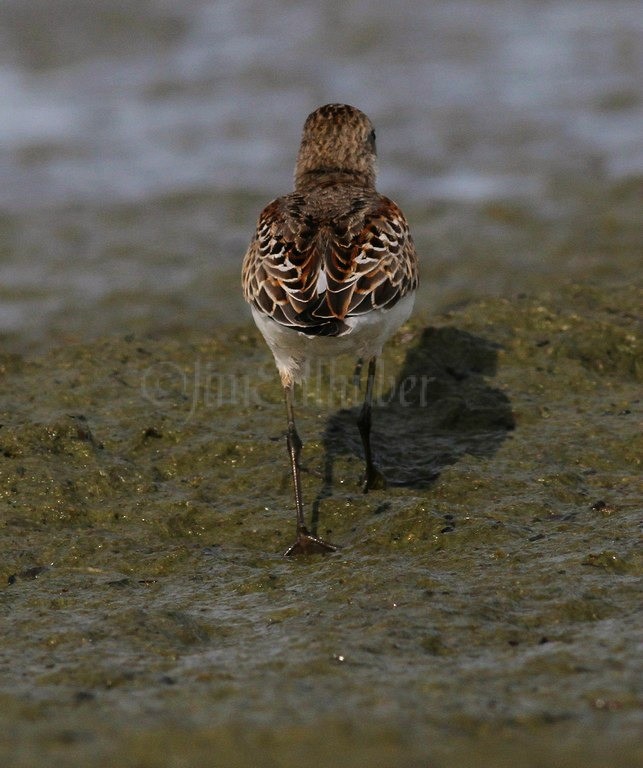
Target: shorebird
column 331, row 269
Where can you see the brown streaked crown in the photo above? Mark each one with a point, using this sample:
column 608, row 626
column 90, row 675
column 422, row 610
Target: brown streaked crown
column 337, row 139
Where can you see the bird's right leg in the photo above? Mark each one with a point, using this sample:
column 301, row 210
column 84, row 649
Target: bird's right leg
column 373, row 478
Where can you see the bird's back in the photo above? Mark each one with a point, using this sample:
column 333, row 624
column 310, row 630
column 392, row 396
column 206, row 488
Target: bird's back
column 333, row 251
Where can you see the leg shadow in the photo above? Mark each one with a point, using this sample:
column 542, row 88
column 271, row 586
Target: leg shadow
column 439, row 408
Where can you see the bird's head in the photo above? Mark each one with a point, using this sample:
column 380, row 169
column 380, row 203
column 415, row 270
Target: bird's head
column 337, row 139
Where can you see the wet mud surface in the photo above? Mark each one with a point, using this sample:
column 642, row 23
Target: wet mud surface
column 483, row 608
column 481, row 611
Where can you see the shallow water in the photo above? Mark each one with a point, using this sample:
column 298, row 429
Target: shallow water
column 140, row 140
column 484, row 609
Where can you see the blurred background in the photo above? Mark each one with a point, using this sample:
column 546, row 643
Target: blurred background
column 139, row 139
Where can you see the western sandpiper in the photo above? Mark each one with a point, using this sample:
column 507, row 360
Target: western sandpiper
column 331, row 269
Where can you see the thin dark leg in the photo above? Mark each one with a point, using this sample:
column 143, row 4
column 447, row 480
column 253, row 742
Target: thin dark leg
column 305, row 543
column 357, row 374
column 373, row 478
column 293, row 442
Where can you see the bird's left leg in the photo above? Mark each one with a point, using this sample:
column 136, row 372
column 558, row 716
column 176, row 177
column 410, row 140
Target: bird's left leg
column 305, row 542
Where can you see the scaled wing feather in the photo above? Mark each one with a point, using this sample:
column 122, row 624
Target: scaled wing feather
column 367, row 256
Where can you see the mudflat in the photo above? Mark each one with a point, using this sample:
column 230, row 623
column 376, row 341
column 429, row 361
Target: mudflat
column 482, row 609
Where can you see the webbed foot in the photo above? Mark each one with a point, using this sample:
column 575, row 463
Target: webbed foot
column 307, row 544
column 373, row 480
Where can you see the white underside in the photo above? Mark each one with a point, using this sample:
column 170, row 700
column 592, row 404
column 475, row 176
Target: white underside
column 292, row 349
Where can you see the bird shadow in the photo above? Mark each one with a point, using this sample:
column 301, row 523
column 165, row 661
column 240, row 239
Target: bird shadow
column 438, row 408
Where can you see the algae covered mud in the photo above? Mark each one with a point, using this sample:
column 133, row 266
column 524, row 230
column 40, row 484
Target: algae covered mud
column 483, row 610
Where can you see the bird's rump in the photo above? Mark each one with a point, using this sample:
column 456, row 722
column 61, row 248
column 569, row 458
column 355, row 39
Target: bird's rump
column 310, row 268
